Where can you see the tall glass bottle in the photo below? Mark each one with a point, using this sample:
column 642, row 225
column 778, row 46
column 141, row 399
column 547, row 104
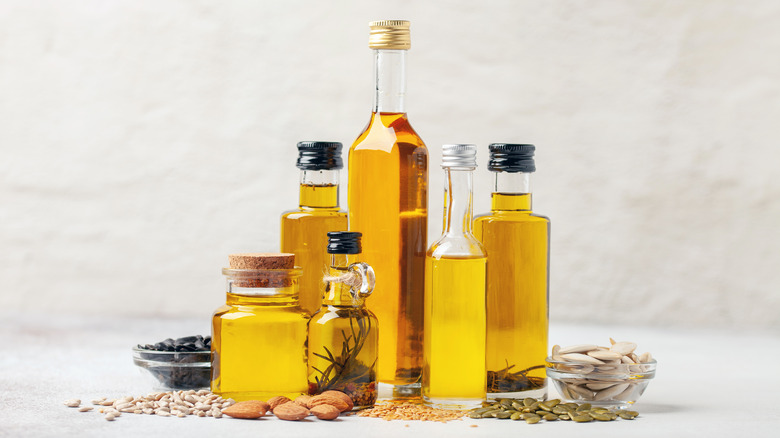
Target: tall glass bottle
column 304, row 230
column 455, row 316
column 388, row 203
column 517, row 243
column 343, row 334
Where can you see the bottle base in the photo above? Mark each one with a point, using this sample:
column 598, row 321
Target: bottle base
column 453, row 403
column 408, row 392
column 539, row 394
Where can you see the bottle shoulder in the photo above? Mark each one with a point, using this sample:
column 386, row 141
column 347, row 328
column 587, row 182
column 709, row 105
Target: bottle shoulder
column 466, row 247
column 389, row 132
column 313, row 214
column 510, row 216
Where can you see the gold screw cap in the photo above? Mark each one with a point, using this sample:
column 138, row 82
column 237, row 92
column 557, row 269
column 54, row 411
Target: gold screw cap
column 389, row 35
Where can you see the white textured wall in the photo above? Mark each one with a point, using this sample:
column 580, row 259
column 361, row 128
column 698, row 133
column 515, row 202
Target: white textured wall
column 143, row 141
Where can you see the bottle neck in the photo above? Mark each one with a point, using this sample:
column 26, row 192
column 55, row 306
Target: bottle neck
column 336, row 293
column 512, row 192
column 390, row 81
column 319, row 189
column 458, row 202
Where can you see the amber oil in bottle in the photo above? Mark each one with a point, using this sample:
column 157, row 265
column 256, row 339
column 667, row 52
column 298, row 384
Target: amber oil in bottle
column 259, row 336
column 304, row 230
column 388, row 202
column 455, row 316
column 517, row 243
column 343, row 334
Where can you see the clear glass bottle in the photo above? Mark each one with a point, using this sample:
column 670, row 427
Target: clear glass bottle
column 388, row 203
column 258, row 340
column 517, row 242
column 304, row 229
column 343, row 334
column 455, row 316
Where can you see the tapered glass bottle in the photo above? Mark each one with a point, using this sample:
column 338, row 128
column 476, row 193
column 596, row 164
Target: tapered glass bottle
column 388, row 202
column 304, row 230
column 455, row 315
column 343, row 334
column 517, row 242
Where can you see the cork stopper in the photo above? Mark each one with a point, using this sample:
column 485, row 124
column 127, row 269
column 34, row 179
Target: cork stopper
column 262, row 260
column 261, row 270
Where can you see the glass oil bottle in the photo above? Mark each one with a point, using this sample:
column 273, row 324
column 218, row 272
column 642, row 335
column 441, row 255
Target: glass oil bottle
column 303, row 230
column 517, row 243
column 343, row 334
column 259, row 336
column 455, row 315
column 388, row 203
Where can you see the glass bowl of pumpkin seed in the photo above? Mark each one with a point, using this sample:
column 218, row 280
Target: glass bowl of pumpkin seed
column 592, row 375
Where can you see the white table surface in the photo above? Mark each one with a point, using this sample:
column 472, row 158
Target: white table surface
column 702, row 375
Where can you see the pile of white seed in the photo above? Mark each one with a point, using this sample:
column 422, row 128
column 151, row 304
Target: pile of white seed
column 602, row 371
column 201, row 403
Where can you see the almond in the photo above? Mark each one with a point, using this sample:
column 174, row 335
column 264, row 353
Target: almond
column 304, row 400
column 278, row 400
column 325, row 412
column 247, row 409
column 290, row 411
column 347, row 399
column 328, row 399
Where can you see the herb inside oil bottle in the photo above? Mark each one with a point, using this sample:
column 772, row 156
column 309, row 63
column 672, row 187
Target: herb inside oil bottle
column 506, row 380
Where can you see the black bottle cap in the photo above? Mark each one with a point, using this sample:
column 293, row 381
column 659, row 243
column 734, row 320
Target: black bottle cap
column 319, row 155
column 344, row 242
column 507, row 157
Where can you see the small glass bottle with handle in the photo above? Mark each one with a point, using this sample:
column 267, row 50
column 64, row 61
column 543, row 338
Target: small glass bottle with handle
column 343, row 334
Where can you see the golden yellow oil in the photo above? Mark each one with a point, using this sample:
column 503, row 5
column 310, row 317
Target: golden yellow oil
column 517, row 244
column 304, row 233
column 454, row 360
column 259, row 348
column 388, row 200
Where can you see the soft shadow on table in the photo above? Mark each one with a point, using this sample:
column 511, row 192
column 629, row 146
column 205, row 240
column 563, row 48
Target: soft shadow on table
column 655, row 408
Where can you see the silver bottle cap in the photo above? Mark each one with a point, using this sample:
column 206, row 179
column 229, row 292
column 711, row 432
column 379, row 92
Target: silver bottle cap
column 459, row 156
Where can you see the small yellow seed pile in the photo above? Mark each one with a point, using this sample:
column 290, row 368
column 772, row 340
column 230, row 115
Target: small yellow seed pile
column 410, row 411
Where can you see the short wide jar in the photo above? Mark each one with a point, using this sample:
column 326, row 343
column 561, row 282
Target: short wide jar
column 259, row 336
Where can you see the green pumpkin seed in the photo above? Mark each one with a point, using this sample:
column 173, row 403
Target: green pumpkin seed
column 527, row 416
column 550, row 417
column 503, row 415
column 529, row 401
column 544, row 406
column 582, row 418
column 559, row 410
column 474, row 415
column 600, row 417
column 564, row 417
column 632, row 413
column 553, row 403
column 599, row 410
column 584, row 407
column 533, row 420
column 516, row 416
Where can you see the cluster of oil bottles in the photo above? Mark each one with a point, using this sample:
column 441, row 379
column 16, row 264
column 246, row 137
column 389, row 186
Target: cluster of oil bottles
column 453, row 323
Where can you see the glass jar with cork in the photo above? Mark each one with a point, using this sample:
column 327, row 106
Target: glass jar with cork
column 259, row 336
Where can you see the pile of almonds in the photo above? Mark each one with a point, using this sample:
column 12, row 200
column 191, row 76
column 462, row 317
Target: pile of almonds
column 326, row 406
column 201, row 403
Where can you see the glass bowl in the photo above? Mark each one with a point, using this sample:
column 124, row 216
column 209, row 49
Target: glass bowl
column 618, row 385
column 175, row 369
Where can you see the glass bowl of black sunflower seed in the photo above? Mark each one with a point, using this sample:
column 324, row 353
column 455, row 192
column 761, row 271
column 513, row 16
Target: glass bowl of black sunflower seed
column 183, row 363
